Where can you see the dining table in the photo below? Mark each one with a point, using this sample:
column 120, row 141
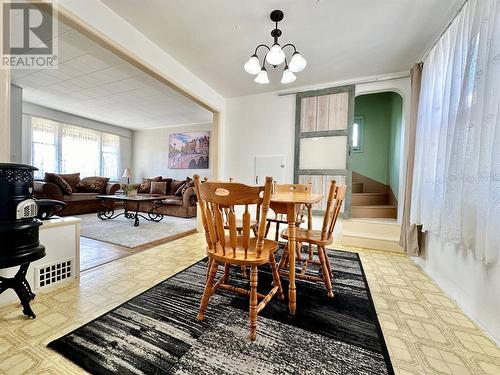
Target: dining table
column 287, row 201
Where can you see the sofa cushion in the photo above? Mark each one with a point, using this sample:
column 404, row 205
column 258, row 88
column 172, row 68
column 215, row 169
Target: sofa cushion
column 80, row 197
column 179, row 191
column 93, row 184
column 189, row 183
column 172, row 200
column 158, row 187
column 145, row 186
column 168, row 181
column 72, row 179
column 59, row 181
column 174, row 186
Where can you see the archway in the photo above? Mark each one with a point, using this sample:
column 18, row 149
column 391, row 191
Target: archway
column 377, row 155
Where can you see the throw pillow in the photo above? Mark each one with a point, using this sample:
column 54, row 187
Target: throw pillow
column 178, row 192
column 189, row 183
column 145, row 186
column 72, row 179
column 158, row 187
column 59, row 181
column 174, row 186
column 93, row 184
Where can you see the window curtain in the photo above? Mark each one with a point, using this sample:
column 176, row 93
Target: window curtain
column 110, row 150
column 409, row 239
column 80, row 150
column 44, row 147
column 456, row 181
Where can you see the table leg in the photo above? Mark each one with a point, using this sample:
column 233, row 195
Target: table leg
column 309, row 217
column 136, row 217
column 292, row 291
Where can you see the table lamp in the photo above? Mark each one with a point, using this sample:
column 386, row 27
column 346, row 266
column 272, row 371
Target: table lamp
column 127, row 173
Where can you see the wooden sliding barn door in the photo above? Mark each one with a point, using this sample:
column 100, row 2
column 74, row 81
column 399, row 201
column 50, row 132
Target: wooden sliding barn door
column 323, row 127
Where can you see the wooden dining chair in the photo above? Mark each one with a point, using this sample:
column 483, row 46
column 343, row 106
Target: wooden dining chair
column 236, row 249
column 254, row 223
column 319, row 238
column 280, row 210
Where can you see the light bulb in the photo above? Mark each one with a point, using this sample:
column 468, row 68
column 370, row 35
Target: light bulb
column 288, row 76
column 297, row 63
column 262, row 76
column 252, row 66
column 275, row 56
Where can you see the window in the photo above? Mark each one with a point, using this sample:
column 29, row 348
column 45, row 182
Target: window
column 357, row 134
column 79, row 151
column 64, row 148
column 110, row 155
column 44, row 146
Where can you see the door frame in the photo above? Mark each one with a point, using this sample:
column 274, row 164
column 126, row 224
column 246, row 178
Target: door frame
column 350, row 89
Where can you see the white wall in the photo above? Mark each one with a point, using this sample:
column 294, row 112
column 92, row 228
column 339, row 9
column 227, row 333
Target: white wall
column 4, row 114
column 151, row 153
column 16, row 123
column 474, row 286
column 264, row 124
column 261, row 124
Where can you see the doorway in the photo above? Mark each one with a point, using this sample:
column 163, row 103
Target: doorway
column 376, row 155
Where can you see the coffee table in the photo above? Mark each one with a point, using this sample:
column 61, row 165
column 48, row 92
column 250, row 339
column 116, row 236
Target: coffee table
column 107, row 212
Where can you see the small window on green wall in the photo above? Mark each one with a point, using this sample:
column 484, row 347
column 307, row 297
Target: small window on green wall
column 358, row 134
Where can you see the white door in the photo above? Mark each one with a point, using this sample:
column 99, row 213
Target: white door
column 269, row 165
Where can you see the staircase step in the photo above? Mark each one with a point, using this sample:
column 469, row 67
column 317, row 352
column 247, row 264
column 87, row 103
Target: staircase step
column 357, row 187
column 372, row 234
column 368, row 242
column 385, row 227
column 369, row 199
column 375, row 211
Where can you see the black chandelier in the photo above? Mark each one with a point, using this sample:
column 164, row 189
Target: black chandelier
column 275, row 56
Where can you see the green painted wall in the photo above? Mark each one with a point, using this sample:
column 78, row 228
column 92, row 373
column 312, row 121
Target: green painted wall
column 381, row 147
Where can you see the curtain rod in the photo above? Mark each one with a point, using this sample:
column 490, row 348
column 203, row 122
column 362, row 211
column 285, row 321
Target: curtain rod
column 444, row 31
column 347, row 82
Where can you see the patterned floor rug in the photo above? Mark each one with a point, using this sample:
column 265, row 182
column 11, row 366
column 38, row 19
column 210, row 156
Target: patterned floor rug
column 156, row 332
column 121, row 231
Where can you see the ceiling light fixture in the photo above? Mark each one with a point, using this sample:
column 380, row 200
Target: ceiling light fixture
column 275, row 56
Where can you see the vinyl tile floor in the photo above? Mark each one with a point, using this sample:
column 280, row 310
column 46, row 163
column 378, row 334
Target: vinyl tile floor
column 425, row 331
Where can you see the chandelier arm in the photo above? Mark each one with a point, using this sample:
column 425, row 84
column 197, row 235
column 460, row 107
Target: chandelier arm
column 261, row 45
column 290, row 45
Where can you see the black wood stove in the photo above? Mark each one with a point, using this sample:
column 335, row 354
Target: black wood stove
column 19, row 244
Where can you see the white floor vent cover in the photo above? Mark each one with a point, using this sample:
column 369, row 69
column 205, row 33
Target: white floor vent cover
column 50, row 274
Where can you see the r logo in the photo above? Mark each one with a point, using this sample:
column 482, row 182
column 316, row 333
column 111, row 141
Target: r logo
column 27, row 30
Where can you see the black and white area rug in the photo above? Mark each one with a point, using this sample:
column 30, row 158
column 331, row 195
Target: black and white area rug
column 157, row 331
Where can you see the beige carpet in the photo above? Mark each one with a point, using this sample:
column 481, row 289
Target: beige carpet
column 121, row 231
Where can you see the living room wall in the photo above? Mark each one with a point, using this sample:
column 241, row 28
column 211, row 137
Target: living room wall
column 151, row 153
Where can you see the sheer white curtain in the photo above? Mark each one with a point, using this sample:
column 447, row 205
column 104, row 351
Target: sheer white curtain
column 456, row 181
column 44, row 145
column 80, row 150
column 110, row 154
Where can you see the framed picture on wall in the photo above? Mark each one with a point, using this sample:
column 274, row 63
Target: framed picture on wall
column 189, row 150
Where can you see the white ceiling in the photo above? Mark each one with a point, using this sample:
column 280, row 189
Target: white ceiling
column 340, row 39
column 94, row 83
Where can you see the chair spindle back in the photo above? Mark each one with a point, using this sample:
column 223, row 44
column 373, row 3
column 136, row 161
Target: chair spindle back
column 336, row 196
column 216, row 198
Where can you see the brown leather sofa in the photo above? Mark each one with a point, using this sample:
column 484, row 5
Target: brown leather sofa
column 77, row 203
column 174, row 205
